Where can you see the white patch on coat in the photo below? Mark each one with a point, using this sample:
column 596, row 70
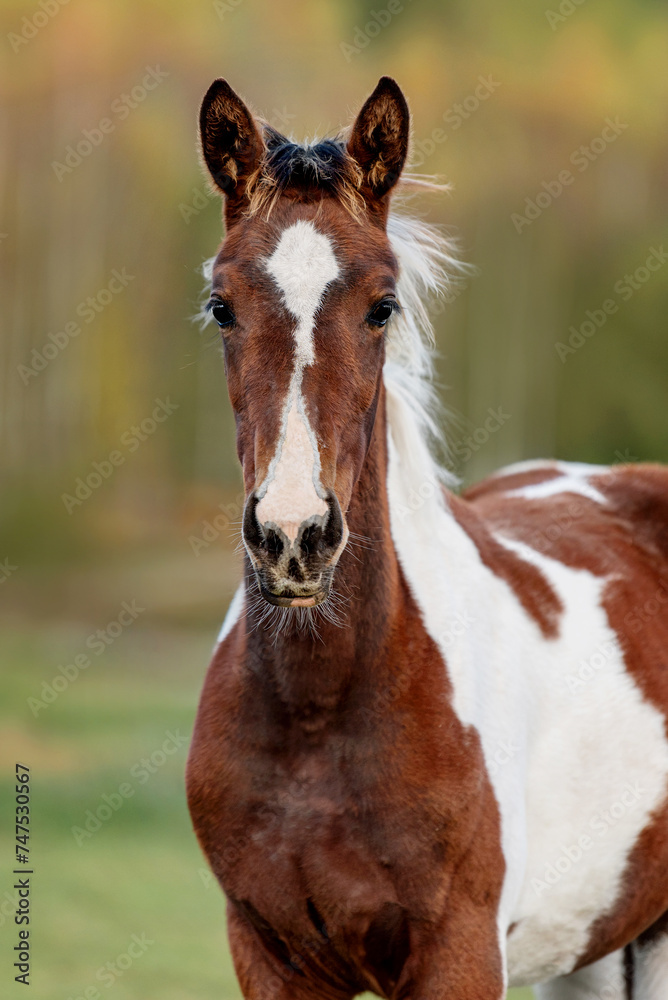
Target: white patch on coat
column 603, row 980
column 651, row 970
column 302, row 265
column 233, row 613
column 573, row 759
column 528, row 465
column 597, row 771
column 573, row 478
column 549, row 755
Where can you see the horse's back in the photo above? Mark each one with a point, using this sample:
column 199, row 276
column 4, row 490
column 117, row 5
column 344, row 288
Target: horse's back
column 556, row 506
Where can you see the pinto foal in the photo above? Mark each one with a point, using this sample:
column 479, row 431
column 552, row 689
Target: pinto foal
column 430, row 758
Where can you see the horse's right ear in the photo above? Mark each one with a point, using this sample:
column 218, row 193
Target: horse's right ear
column 232, row 146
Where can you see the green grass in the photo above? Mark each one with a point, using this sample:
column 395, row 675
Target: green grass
column 141, row 873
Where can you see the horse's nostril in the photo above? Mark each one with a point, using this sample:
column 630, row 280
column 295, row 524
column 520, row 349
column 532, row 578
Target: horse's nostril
column 259, row 536
column 333, row 532
column 273, row 543
column 293, row 552
column 311, row 538
column 252, row 531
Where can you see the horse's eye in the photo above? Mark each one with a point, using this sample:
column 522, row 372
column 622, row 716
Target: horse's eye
column 381, row 312
column 222, row 314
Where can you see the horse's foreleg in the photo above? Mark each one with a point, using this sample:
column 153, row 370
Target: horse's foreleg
column 263, row 976
column 461, row 961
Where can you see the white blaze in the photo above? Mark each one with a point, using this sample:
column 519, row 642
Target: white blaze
column 302, row 265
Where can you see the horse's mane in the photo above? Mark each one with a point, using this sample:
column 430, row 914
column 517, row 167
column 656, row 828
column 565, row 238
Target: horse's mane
column 428, row 265
column 324, row 166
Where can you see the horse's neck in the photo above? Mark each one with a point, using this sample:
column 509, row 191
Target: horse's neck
column 396, row 508
column 313, row 668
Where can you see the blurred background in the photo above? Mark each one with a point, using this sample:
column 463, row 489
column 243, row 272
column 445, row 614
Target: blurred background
column 119, row 504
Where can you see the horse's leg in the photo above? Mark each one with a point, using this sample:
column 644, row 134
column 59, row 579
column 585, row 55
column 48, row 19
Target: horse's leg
column 462, row 961
column 603, row 980
column 650, row 962
column 261, row 977
column 637, row 972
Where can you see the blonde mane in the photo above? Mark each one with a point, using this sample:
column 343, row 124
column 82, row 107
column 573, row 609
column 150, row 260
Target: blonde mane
column 428, row 268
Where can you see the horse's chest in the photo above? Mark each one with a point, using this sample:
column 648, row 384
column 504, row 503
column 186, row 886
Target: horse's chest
column 318, row 850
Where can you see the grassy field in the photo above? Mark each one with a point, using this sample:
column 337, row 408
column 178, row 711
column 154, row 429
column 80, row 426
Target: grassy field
column 140, row 874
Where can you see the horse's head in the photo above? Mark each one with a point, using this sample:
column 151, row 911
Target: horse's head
column 302, row 288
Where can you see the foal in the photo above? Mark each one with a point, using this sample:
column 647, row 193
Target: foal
column 430, row 758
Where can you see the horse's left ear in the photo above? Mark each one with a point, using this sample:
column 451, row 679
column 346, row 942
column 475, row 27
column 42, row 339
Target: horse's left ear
column 232, row 146
column 379, row 138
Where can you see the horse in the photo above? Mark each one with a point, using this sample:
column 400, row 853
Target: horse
column 430, row 758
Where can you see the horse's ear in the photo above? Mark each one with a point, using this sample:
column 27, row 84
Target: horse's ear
column 379, row 138
column 232, row 146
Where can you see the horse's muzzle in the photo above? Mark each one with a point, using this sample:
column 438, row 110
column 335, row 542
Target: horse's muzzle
column 295, row 572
